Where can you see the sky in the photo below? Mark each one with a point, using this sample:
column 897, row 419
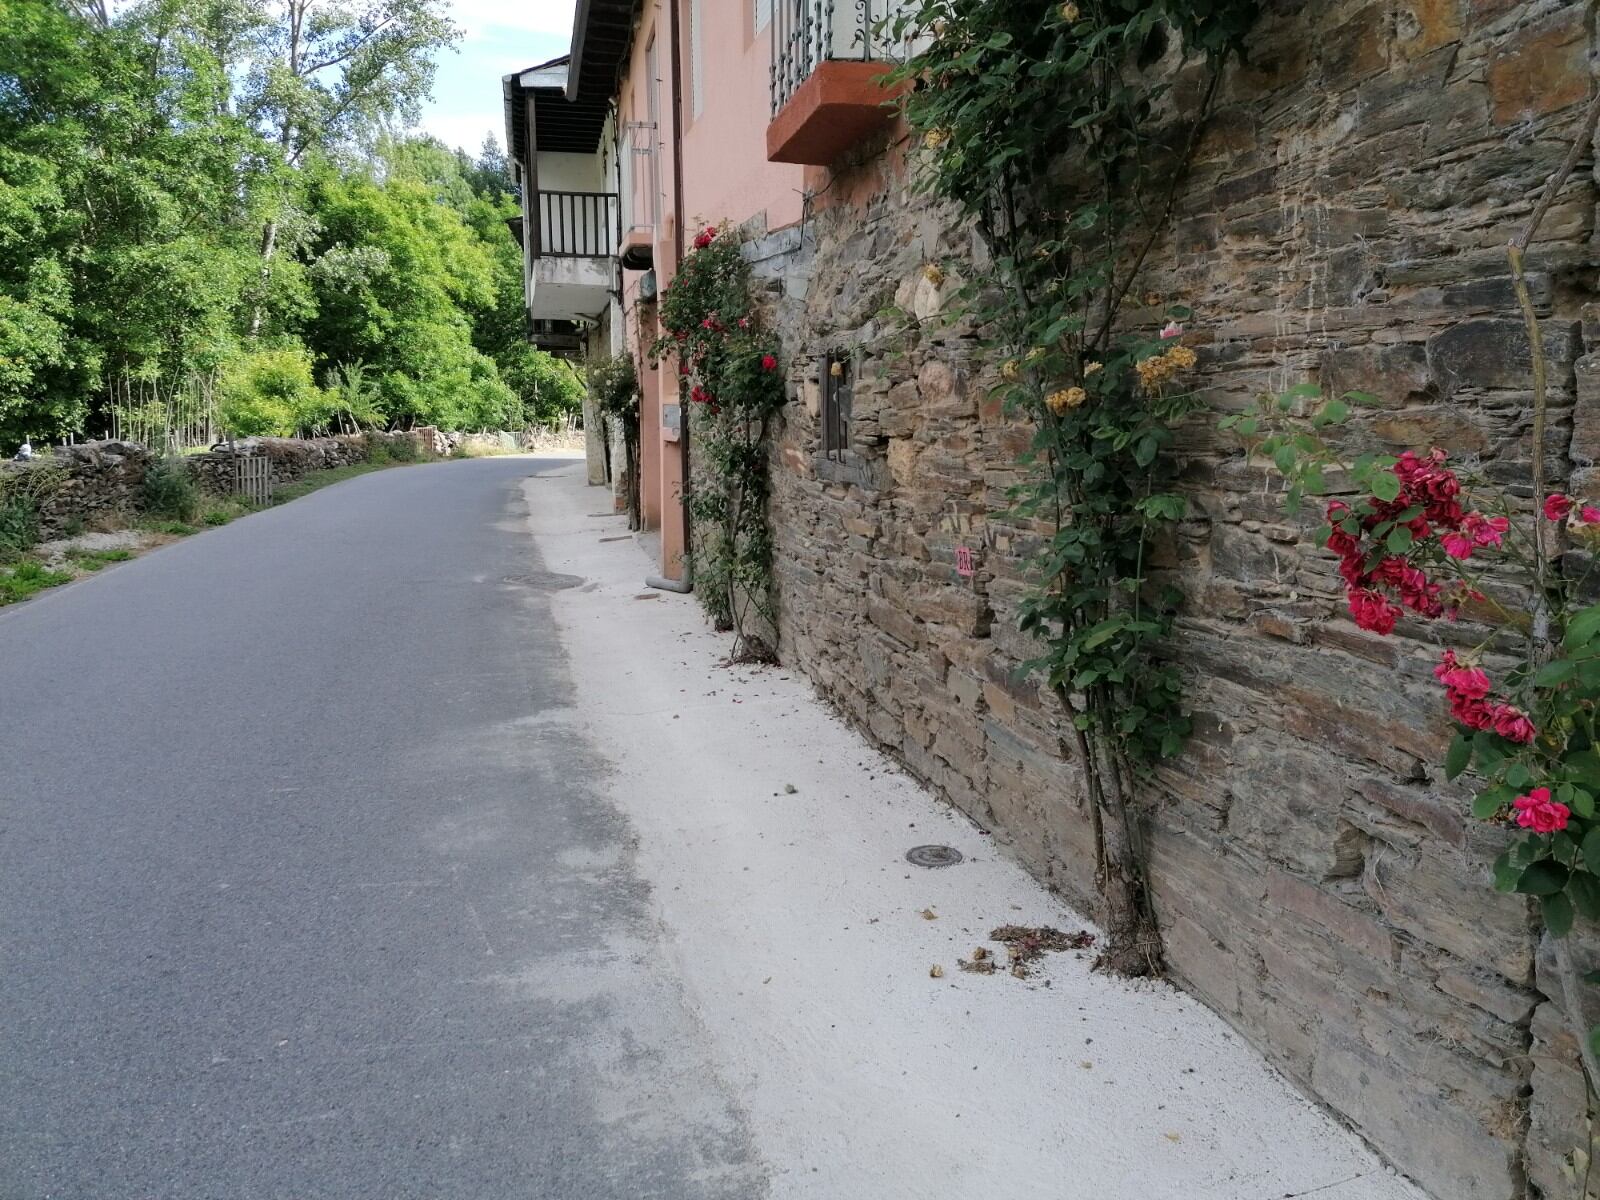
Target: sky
column 501, row 36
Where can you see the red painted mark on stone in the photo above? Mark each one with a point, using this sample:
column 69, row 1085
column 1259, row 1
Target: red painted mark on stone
column 963, row 562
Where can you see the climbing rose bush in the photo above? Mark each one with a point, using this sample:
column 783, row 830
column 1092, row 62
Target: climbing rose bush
column 728, row 368
column 1417, row 542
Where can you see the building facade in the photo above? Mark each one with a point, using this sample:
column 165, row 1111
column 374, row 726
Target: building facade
column 1317, row 880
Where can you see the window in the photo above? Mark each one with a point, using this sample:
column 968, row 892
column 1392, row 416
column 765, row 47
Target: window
column 836, row 405
column 763, row 14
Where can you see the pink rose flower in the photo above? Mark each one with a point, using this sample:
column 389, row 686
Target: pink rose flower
column 1486, row 531
column 1458, row 545
column 1511, row 723
column 1373, row 611
column 1536, row 811
column 1557, row 506
column 1468, row 681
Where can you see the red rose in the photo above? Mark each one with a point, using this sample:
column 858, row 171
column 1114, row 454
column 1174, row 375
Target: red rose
column 1536, row 811
column 1557, row 506
column 768, row 363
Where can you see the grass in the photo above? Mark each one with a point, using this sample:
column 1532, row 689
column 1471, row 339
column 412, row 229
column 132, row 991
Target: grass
column 24, row 578
column 170, row 528
column 317, row 480
column 93, row 560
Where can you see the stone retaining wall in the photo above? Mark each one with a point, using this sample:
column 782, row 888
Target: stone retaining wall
column 291, row 458
column 104, row 480
column 1318, row 882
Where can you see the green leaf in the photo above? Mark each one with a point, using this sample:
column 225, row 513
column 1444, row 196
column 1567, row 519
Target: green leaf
column 1552, row 674
column 1584, row 889
column 1518, row 775
column 1399, row 540
column 1385, row 486
column 1591, row 850
column 1458, row 757
column 1543, row 878
column 1557, row 913
column 1594, row 1040
column 1490, row 801
column 1505, row 874
column 1582, row 629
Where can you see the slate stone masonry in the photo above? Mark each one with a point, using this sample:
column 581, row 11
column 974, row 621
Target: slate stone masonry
column 1318, row 882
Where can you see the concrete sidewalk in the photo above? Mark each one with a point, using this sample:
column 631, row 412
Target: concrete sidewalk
column 804, row 945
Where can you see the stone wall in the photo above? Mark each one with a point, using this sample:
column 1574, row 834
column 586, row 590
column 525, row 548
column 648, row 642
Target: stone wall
column 1318, row 882
column 291, row 458
column 104, row 481
column 75, row 485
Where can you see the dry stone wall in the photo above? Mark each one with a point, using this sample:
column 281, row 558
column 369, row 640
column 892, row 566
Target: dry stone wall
column 100, row 481
column 1318, row 882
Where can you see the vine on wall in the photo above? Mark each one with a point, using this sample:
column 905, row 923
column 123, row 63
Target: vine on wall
column 1068, row 229
column 728, row 363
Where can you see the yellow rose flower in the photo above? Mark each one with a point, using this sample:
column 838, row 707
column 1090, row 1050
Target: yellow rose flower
column 1011, row 370
column 933, row 274
column 1069, row 13
column 935, row 138
column 1093, row 368
column 1067, row 398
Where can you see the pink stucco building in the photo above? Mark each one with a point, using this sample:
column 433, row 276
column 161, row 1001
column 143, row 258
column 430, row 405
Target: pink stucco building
column 665, row 116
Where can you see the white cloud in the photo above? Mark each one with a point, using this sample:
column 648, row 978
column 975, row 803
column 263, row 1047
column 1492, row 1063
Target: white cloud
column 464, row 131
column 497, row 18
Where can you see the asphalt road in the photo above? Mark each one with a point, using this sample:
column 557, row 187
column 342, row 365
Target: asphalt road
column 308, row 888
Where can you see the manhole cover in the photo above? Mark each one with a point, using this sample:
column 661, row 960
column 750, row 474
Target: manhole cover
column 549, row 581
column 933, row 856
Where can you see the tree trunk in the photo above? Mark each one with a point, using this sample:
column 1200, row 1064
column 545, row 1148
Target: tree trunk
column 269, row 242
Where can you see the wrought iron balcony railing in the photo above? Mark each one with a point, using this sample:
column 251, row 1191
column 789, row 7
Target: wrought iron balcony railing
column 576, row 224
column 808, row 32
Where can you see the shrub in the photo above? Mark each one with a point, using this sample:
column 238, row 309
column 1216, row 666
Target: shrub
column 403, row 448
column 270, row 393
column 170, row 490
column 348, row 403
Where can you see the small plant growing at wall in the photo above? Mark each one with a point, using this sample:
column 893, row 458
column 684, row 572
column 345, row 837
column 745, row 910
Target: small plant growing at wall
column 735, row 389
column 170, row 490
column 1095, row 368
column 24, row 491
column 729, row 373
column 614, row 385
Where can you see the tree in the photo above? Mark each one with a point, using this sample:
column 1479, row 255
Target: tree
column 331, row 74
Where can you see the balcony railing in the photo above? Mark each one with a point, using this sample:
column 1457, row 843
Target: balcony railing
column 576, row 224
column 808, row 32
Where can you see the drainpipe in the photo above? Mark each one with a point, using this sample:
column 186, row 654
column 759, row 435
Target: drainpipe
column 675, row 10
